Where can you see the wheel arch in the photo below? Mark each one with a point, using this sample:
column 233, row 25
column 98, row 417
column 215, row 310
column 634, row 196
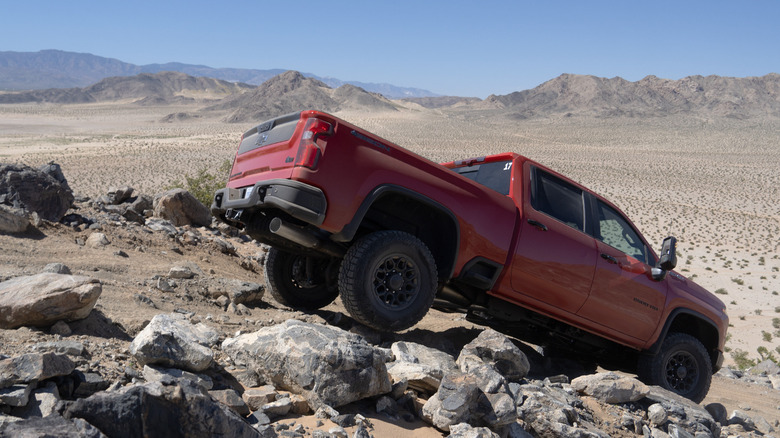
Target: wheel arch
column 699, row 326
column 391, row 207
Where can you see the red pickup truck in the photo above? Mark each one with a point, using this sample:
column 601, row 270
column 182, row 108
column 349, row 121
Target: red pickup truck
column 510, row 242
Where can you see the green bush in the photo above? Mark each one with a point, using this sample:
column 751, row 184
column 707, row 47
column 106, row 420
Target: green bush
column 204, row 183
column 741, row 359
column 766, row 354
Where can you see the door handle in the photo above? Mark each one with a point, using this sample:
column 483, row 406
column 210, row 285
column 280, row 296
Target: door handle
column 538, row 224
column 609, row 258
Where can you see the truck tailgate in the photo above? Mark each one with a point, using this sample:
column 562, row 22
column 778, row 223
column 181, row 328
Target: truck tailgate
column 266, row 151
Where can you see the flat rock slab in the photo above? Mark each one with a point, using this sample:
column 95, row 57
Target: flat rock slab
column 43, row 299
column 33, row 367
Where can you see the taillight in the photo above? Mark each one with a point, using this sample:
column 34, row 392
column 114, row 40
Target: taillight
column 308, row 152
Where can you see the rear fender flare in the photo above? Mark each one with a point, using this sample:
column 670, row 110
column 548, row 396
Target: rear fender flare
column 350, row 230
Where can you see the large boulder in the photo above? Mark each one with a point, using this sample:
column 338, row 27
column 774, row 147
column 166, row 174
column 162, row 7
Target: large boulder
column 494, row 349
column 325, row 364
column 423, row 367
column 181, row 208
column 43, row 299
column 611, row 387
column 158, row 410
column 457, row 401
column 44, row 191
column 170, row 340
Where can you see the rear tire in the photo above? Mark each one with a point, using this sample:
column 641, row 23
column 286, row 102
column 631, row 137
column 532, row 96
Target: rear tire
column 294, row 285
column 388, row 280
column 682, row 366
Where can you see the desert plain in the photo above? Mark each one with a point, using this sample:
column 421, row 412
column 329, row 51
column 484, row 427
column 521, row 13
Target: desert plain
column 712, row 183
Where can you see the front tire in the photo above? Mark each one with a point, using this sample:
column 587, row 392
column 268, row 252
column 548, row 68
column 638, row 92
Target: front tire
column 681, row 366
column 388, row 280
column 299, row 281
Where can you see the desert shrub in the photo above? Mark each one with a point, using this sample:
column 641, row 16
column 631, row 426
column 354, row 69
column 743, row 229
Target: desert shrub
column 766, row 335
column 765, row 354
column 721, row 291
column 741, row 359
column 204, row 183
column 739, row 281
column 776, row 323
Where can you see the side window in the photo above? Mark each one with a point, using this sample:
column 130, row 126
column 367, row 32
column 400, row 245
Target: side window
column 615, row 231
column 559, row 199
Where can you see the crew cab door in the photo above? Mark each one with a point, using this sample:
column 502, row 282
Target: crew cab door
column 624, row 296
column 555, row 259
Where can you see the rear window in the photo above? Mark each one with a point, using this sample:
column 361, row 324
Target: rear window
column 558, row 198
column 496, row 176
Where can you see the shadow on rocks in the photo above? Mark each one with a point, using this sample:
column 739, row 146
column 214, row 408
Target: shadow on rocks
column 450, row 341
column 97, row 324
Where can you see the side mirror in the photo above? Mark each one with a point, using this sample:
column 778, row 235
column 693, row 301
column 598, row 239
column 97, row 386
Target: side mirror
column 668, row 259
column 668, row 254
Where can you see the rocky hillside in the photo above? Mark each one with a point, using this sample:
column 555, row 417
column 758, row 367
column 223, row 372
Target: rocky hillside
column 290, row 92
column 145, row 88
column 710, row 96
column 161, row 328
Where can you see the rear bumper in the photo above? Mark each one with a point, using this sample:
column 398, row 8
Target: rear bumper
column 295, row 198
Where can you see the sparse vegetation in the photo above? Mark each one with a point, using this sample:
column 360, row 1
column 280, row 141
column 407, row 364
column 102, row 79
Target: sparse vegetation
column 741, row 359
column 204, row 183
column 765, row 354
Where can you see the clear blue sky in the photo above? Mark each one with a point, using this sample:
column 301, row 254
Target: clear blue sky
column 454, row 47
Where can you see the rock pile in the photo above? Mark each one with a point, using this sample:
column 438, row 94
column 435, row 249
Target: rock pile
column 194, row 385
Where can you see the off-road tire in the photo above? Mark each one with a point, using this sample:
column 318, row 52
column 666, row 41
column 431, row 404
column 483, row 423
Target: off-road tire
column 285, row 280
column 682, row 366
column 388, row 280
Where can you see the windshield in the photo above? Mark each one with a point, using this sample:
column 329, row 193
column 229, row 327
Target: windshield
column 495, row 175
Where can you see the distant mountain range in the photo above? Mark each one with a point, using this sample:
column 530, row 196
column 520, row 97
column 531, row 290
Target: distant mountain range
column 59, row 69
column 145, row 88
column 601, row 97
column 281, row 92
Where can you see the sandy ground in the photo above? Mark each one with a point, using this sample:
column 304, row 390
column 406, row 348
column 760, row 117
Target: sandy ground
column 713, row 183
